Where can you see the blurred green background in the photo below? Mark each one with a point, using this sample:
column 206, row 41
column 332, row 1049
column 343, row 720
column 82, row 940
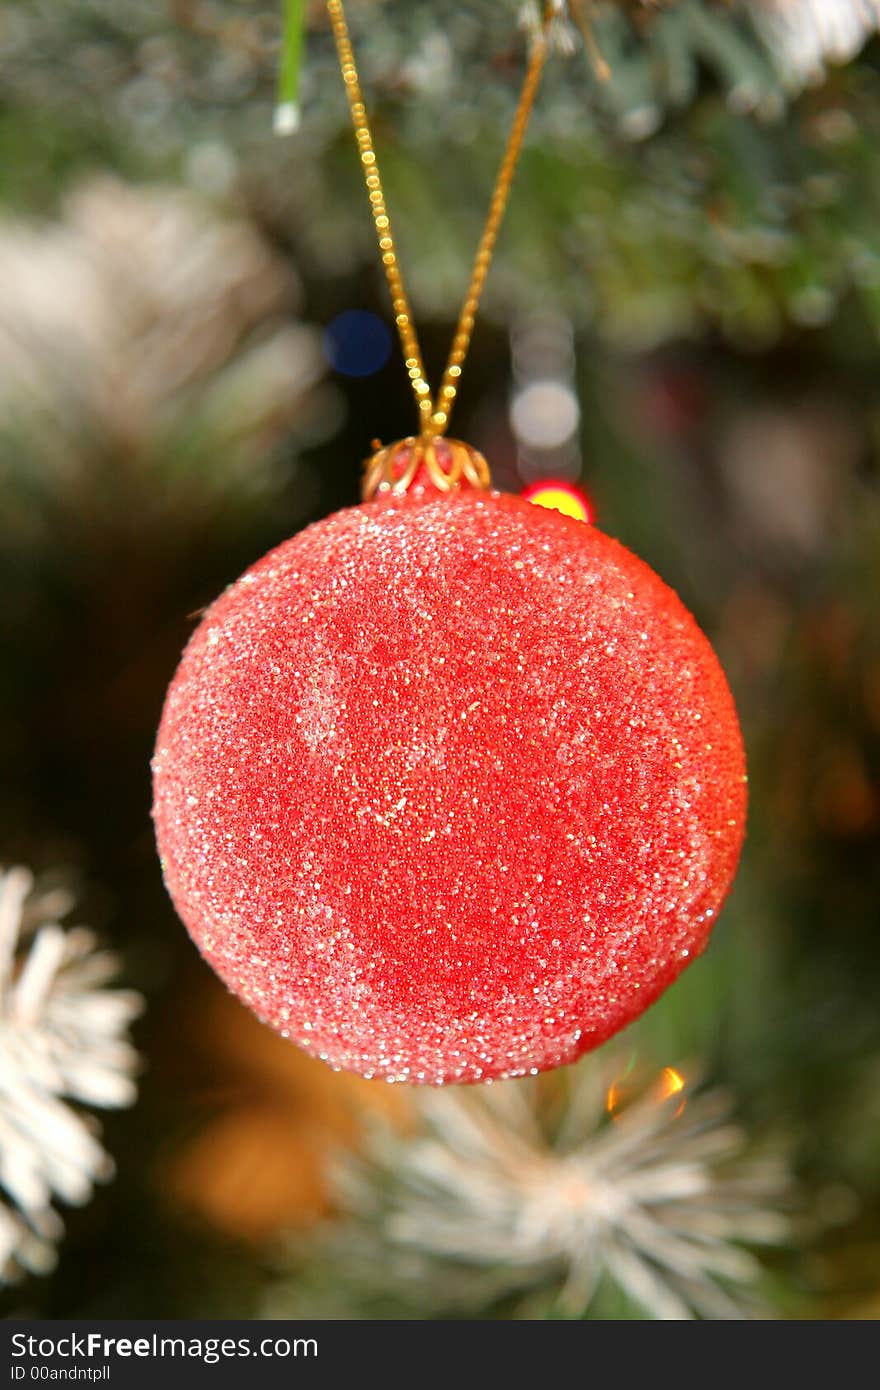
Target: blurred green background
column 691, row 261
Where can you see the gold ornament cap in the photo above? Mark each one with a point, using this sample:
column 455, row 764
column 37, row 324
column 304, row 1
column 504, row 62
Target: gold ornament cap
column 428, row 462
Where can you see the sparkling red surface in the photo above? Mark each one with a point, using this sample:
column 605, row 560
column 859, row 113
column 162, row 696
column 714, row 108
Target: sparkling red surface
column 449, row 787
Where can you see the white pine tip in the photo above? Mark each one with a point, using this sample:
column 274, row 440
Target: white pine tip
column 63, row 1038
column 655, row 1190
column 286, row 118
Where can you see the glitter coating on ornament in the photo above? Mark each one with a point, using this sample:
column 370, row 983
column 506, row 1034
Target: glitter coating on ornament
column 449, row 787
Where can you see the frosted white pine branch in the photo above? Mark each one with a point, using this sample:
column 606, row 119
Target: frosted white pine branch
column 560, row 34
column 63, row 1039
column 807, row 35
column 655, row 1192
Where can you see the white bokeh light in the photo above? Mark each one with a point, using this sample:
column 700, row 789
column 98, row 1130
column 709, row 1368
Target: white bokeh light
column 545, row 414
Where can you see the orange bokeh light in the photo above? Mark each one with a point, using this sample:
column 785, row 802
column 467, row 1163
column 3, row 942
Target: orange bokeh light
column 620, row 1095
column 671, row 1082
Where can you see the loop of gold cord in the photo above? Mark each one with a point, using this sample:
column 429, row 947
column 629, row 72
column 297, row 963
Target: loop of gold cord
column 402, row 313
column 435, row 418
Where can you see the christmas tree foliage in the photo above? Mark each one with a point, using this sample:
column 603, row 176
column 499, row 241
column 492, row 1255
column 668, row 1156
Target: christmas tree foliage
column 683, row 320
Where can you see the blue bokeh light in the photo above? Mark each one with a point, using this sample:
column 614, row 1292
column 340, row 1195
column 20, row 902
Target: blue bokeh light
column 357, row 343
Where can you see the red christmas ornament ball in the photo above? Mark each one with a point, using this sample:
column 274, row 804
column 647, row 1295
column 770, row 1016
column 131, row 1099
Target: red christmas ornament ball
column 449, row 787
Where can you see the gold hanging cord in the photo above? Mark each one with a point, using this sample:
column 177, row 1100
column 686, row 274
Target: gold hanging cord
column 434, row 416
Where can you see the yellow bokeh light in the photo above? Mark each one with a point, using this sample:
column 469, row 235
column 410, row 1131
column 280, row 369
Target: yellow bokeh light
column 559, row 497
